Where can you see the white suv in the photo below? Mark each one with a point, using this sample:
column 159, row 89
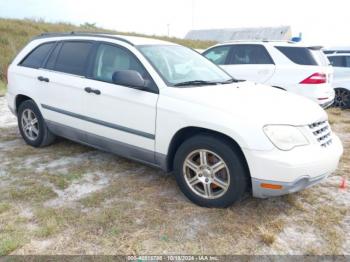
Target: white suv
column 285, row 65
column 341, row 83
column 167, row 106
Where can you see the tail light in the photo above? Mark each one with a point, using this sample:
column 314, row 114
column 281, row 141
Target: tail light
column 317, row 78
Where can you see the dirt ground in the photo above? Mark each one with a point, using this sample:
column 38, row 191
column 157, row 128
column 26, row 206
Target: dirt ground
column 71, row 199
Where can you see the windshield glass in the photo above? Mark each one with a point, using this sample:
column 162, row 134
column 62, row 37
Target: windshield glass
column 179, row 65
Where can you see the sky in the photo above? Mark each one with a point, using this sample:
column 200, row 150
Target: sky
column 321, row 22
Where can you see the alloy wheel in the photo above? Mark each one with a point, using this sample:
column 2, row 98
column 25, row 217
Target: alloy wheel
column 342, row 98
column 30, row 124
column 206, row 174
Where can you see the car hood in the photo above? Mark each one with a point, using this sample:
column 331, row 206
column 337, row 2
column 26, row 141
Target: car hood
column 248, row 100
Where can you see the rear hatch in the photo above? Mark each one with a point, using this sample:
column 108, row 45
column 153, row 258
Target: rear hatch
column 310, row 65
column 322, row 61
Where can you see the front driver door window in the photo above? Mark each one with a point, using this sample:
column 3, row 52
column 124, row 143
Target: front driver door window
column 122, row 113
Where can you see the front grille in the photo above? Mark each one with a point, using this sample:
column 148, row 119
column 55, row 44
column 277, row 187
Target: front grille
column 322, row 132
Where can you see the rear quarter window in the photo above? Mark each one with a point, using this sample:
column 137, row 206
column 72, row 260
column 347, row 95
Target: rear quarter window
column 298, row 55
column 36, row 57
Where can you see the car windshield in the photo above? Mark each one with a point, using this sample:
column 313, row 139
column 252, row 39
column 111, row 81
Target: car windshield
column 181, row 66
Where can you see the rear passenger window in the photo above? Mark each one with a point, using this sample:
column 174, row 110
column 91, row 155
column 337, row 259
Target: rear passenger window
column 337, row 61
column 73, row 58
column 249, row 54
column 347, row 61
column 299, row 55
column 36, row 58
column 218, row 55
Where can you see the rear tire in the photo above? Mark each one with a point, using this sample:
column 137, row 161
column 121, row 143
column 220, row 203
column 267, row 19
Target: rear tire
column 32, row 125
column 210, row 172
column 342, row 98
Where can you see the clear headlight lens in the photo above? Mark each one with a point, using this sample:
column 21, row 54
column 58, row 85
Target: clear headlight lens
column 285, row 137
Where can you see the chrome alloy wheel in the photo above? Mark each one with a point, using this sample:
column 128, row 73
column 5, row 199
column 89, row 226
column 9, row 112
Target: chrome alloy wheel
column 206, row 174
column 30, row 124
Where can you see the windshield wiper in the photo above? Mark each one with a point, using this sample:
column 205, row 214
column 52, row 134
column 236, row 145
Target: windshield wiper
column 232, row 80
column 196, row 82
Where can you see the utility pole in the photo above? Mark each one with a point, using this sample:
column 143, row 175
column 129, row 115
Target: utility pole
column 168, row 26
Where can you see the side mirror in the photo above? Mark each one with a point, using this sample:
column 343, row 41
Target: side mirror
column 129, row 78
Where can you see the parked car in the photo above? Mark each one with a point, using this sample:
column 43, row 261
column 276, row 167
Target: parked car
column 341, row 83
column 286, row 65
column 167, row 106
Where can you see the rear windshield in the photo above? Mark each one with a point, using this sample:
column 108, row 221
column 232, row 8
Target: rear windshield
column 299, row 55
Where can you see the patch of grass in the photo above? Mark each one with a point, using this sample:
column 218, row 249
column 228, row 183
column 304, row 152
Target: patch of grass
column 49, row 227
column 9, row 243
column 347, row 129
column 8, row 134
column 334, row 115
column 34, row 192
column 95, row 199
column 12, row 230
column 328, row 219
column 51, row 220
column 4, row 207
column 295, row 201
column 267, row 236
column 110, row 221
column 62, row 181
column 2, row 88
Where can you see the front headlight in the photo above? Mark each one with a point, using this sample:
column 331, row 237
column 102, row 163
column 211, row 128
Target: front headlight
column 285, row 137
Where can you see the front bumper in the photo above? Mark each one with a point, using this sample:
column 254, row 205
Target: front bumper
column 277, row 172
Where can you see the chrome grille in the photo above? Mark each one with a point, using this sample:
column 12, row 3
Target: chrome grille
column 322, row 132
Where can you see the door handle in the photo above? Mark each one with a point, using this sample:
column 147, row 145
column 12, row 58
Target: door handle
column 88, row 89
column 43, row 79
column 91, row 90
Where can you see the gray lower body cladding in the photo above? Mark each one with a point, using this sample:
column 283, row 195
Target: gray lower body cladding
column 105, row 144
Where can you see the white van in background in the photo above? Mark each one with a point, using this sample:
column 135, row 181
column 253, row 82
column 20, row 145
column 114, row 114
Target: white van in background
column 286, row 65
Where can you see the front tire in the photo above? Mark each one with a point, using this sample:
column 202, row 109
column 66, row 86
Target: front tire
column 32, row 125
column 210, row 172
column 342, row 98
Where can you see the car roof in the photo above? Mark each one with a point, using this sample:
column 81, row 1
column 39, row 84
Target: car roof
column 339, row 54
column 269, row 42
column 132, row 40
column 259, row 41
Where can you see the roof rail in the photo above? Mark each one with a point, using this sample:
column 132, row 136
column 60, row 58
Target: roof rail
column 259, row 40
column 82, row 33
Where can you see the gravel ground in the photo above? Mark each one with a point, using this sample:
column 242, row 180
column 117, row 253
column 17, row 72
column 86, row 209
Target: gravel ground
column 71, row 199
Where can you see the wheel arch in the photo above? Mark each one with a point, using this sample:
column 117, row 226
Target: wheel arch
column 19, row 100
column 187, row 132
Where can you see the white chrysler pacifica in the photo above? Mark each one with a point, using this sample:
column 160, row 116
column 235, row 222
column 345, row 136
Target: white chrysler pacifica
column 167, row 106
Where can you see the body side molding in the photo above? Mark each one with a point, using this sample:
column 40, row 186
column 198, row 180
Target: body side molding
column 100, row 122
